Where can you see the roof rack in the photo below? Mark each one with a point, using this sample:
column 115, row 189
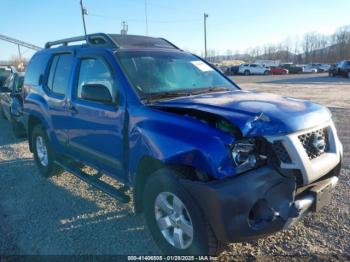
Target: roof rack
column 115, row 41
column 99, row 39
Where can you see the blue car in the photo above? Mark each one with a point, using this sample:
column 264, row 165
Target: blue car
column 205, row 161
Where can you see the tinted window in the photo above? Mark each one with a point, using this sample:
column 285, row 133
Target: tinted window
column 59, row 73
column 9, row 82
column 35, row 68
column 52, row 72
column 18, row 84
column 4, row 72
column 95, row 71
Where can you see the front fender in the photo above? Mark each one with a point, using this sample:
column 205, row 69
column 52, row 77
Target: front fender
column 179, row 140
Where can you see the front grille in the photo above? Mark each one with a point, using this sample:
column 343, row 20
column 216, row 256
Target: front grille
column 281, row 152
column 308, row 139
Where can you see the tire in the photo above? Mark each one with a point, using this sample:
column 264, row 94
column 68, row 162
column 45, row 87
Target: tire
column 2, row 114
column 46, row 166
column 266, row 72
column 163, row 187
column 348, row 74
column 331, row 74
column 246, row 72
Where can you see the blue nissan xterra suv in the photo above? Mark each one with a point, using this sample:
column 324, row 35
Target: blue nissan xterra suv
column 207, row 162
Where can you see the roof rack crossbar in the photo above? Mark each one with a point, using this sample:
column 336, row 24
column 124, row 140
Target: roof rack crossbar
column 89, row 39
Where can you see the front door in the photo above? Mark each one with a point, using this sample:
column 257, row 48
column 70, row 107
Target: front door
column 96, row 129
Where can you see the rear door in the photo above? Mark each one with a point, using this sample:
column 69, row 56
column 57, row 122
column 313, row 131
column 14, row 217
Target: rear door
column 96, row 130
column 253, row 69
column 56, row 85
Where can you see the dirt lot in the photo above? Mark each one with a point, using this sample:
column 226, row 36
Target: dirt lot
column 63, row 215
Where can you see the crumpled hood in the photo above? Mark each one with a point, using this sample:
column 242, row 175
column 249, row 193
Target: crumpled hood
column 255, row 113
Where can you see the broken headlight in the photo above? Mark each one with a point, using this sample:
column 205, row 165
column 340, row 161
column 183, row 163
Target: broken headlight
column 245, row 155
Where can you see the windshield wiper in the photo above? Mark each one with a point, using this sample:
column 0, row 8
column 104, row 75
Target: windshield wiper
column 191, row 92
column 162, row 95
column 209, row 90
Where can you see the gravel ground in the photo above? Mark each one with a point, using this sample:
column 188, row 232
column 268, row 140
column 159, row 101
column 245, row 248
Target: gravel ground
column 63, row 215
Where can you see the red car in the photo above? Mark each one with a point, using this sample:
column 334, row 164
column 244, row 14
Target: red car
column 279, row 71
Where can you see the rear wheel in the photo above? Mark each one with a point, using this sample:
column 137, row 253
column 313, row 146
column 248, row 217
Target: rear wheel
column 349, row 74
column 43, row 153
column 246, row 72
column 176, row 222
column 266, row 72
column 331, row 74
column 2, row 114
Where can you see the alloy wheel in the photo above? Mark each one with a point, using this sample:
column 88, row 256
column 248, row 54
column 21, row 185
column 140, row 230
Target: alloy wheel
column 173, row 220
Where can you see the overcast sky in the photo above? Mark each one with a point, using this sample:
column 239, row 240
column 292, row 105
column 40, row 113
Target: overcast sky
column 232, row 24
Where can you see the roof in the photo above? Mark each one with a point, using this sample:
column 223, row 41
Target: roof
column 117, row 41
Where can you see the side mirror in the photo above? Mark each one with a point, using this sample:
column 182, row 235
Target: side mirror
column 96, row 93
column 5, row 89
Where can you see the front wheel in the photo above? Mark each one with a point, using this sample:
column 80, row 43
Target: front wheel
column 43, row 153
column 331, row 74
column 349, row 74
column 174, row 219
column 246, row 72
column 266, row 72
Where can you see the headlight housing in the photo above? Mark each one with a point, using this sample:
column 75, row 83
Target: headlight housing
column 245, row 155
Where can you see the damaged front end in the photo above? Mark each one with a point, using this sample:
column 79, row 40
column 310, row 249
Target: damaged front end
column 268, row 190
column 258, row 203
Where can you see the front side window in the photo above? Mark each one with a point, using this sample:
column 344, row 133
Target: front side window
column 95, row 71
column 154, row 73
column 59, row 73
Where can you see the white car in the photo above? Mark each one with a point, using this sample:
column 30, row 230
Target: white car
column 309, row 69
column 254, row 69
column 321, row 67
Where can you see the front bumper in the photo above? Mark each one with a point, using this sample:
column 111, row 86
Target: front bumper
column 257, row 203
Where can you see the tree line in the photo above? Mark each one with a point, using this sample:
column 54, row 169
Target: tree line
column 312, row 48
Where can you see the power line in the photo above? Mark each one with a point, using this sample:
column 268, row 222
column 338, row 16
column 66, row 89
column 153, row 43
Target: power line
column 142, row 21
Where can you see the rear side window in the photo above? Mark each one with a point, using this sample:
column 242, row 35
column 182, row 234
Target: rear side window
column 95, row 71
column 59, row 73
column 35, row 68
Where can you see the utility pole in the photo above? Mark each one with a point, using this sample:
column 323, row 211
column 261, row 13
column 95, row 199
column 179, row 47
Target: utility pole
column 146, row 15
column 19, row 53
column 205, row 35
column 20, row 65
column 83, row 13
column 125, row 28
